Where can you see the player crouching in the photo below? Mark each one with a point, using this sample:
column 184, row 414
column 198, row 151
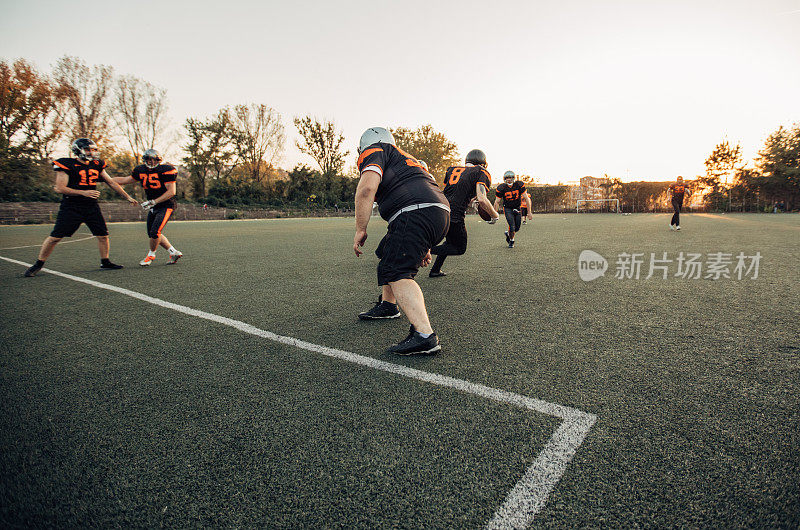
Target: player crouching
column 158, row 181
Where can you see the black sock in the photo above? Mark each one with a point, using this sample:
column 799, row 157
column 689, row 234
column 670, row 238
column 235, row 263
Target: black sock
column 437, row 265
column 39, row 263
column 103, row 261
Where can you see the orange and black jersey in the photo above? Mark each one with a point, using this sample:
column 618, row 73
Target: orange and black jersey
column 678, row 189
column 154, row 181
column 459, row 188
column 511, row 195
column 403, row 181
column 81, row 176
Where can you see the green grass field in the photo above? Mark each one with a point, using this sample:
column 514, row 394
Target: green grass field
column 117, row 412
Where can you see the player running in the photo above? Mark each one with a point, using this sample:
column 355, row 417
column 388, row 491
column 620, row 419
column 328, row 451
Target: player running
column 418, row 215
column 76, row 178
column 158, row 181
column 678, row 189
column 462, row 185
column 513, row 194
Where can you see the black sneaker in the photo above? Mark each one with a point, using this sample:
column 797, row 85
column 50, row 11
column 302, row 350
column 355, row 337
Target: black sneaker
column 36, row 267
column 508, row 237
column 510, row 243
column 110, row 266
column 436, row 274
column 381, row 311
column 416, row 344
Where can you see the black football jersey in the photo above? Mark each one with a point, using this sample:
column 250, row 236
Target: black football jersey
column 154, row 181
column 511, row 195
column 459, row 188
column 403, row 181
column 677, row 190
column 82, row 176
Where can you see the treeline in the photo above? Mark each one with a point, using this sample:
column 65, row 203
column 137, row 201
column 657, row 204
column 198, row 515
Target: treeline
column 231, row 157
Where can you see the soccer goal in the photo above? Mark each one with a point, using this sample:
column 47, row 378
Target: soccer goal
column 613, row 205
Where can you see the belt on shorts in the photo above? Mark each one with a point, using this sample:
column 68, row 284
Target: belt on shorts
column 418, row 207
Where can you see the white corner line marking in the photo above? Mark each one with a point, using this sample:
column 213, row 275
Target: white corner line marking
column 528, row 495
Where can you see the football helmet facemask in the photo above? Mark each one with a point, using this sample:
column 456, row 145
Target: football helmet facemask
column 509, row 175
column 151, row 158
column 85, row 149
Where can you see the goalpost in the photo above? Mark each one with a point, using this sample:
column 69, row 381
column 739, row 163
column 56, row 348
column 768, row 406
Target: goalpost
column 615, row 202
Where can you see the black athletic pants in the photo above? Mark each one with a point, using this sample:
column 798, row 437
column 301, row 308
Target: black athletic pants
column 677, row 204
column 513, row 218
column 454, row 245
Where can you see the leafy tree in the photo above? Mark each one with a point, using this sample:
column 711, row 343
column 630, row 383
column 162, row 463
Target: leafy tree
column 779, row 166
column 87, row 91
column 323, row 143
column 210, row 151
column 259, row 137
column 140, row 113
column 29, row 105
column 428, row 145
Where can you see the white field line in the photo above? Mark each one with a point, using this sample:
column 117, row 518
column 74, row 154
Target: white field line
column 527, row 497
column 39, row 244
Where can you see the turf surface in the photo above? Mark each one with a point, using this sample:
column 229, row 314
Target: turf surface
column 116, row 412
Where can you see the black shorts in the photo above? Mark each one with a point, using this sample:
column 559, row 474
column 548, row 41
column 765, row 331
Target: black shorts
column 408, row 240
column 513, row 218
column 156, row 221
column 73, row 213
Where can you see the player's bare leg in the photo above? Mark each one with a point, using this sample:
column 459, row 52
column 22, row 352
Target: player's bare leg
column 154, row 244
column 48, row 245
column 387, row 294
column 412, row 302
column 104, row 245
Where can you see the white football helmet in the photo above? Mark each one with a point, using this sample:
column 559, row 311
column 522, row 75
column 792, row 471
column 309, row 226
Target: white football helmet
column 509, row 175
column 375, row 135
column 151, row 158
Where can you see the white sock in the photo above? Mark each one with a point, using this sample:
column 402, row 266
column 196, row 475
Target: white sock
column 152, row 253
column 172, row 250
column 424, row 335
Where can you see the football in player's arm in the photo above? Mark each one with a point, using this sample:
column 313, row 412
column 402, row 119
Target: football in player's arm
column 76, row 179
column 158, row 182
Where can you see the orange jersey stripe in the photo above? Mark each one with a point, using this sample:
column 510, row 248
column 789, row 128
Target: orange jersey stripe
column 62, row 166
column 366, row 153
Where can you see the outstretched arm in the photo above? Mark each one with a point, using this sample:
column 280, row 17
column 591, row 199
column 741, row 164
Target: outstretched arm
column 116, row 187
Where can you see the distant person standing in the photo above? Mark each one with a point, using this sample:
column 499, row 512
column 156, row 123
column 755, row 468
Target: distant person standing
column 678, row 190
column 418, row 215
column 462, row 185
column 158, row 181
column 76, row 179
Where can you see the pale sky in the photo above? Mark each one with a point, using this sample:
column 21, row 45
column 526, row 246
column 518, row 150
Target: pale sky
column 555, row 89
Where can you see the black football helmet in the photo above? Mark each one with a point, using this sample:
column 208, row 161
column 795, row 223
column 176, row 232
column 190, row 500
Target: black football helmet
column 151, row 158
column 476, row 157
column 82, row 149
